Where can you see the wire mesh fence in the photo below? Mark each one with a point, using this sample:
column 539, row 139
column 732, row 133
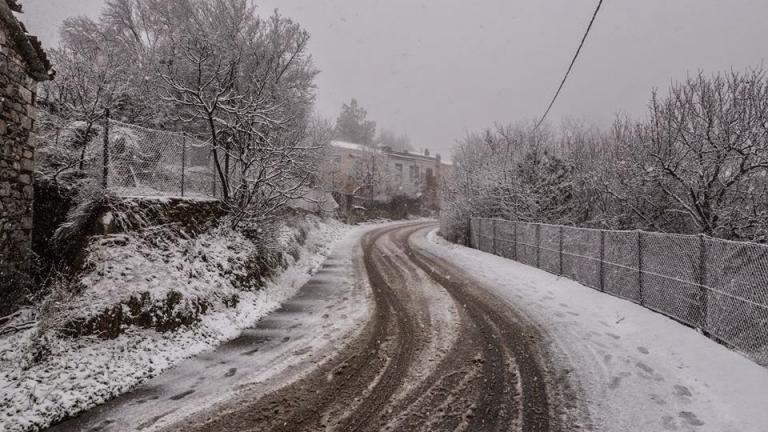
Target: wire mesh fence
column 717, row 286
column 131, row 160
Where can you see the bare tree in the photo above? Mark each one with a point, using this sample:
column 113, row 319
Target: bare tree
column 90, row 79
column 697, row 164
column 704, row 151
column 200, row 82
column 250, row 81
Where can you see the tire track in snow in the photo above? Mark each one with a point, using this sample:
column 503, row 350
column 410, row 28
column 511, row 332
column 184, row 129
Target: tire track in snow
column 487, row 379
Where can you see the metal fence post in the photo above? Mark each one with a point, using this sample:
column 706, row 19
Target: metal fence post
column 183, row 160
column 640, row 266
column 494, row 237
column 561, row 250
column 476, row 231
column 515, row 238
column 479, row 235
column 703, row 294
column 470, row 243
column 602, row 260
column 489, row 244
column 213, row 176
column 538, row 246
column 488, row 239
column 105, row 161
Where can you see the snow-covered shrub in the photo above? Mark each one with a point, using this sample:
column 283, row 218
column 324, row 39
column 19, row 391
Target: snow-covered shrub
column 90, row 203
column 66, row 150
column 487, row 179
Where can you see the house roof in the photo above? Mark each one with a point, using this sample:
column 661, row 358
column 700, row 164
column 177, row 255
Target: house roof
column 348, row 145
column 385, row 150
column 28, row 46
column 410, row 154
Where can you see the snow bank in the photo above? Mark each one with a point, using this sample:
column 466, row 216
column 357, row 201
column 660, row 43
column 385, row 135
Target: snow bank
column 44, row 378
column 639, row 371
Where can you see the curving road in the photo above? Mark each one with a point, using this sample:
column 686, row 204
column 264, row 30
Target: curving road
column 392, row 334
column 438, row 353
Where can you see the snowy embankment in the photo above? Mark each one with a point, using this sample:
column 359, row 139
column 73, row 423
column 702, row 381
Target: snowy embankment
column 638, row 370
column 45, row 377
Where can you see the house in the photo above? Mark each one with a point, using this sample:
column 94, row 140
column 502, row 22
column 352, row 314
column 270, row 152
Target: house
column 23, row 63
column 380, row 173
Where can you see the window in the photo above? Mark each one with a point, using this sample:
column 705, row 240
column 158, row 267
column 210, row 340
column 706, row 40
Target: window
column 429, row 172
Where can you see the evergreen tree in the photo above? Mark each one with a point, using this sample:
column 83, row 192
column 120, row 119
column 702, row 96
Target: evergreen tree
column 352, row 125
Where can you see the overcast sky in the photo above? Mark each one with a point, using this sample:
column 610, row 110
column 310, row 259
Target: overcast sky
column 436, row 69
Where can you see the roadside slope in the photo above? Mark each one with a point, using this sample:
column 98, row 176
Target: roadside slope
column 82, row 372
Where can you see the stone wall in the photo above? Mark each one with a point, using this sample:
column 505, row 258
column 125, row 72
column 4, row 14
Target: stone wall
column 17, row 113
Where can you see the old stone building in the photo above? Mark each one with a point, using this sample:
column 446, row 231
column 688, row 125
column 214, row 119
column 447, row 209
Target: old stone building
column 22, row 65
column 351, row 168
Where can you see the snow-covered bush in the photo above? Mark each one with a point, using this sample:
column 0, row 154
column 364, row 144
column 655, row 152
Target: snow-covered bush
column 513, row 172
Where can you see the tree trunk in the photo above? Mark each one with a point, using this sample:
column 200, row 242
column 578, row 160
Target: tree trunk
column 224, row 184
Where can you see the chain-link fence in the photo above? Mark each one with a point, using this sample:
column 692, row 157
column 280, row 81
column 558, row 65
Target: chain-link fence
column 717, row 286
column 136, row 161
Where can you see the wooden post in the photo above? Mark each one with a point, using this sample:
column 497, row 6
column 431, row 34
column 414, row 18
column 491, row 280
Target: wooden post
column 105, row 161
column 183, row 160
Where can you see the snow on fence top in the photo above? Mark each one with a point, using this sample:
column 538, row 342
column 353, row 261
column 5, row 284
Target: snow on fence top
column 717, row 286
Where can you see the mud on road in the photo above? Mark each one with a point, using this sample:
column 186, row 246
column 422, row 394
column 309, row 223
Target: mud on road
column 438, row 354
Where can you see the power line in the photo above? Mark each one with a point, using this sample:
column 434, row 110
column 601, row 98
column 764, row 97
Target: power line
column 575, row 56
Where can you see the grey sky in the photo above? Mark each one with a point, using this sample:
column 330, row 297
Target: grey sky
column 435, row 69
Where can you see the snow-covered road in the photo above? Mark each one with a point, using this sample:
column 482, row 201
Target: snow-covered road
column 638, row 371
column 401, row 330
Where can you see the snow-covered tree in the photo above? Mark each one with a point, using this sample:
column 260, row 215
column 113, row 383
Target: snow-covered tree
column 702, row 154
column 395, row 141
column 353, row 126
column 698, row 163
column 216, row 70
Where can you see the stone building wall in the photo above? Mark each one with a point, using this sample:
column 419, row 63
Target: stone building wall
column 22, row 65
column 17, row 93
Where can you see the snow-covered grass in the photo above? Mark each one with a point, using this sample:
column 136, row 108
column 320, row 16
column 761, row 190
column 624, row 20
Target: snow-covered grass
column 45, row 376
column 638, row 371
